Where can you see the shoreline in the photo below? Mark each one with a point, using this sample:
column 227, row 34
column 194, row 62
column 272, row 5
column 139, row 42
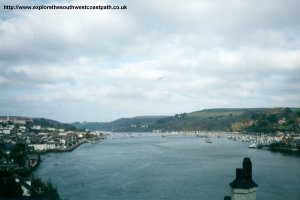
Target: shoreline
column 69, row 149
column 62, row 150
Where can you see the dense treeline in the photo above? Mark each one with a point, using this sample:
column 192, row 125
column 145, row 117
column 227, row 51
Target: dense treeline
column 276, row 120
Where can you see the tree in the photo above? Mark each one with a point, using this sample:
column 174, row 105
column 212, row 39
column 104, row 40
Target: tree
column 18, row 154
column 44, row 191
column 8, row 186
column 272, row 118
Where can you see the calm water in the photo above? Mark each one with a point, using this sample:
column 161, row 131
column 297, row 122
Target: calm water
column 153, row 167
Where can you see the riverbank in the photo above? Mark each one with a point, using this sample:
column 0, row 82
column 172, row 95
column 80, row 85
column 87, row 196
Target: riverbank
column 60, row 150
column 71, row 148
column 282, row 143
column 284, row 148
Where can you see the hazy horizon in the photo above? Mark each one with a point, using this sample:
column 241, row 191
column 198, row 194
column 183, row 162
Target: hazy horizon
column 121, row 117
column 154, row 58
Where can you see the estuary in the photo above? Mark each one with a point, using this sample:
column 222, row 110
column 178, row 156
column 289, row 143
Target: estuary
column 148, row 166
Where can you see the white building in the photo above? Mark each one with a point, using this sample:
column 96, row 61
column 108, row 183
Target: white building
column 243, row 187
column 6, row 131
column 36, row 127
column 22, row 129
column 43, row 147
column 51, row 129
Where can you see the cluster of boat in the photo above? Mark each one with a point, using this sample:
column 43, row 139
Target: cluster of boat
column 256, row 140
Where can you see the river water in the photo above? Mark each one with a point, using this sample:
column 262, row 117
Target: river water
column 149, row 166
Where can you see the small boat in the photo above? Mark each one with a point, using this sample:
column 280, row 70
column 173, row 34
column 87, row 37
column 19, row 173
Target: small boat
column 208, row 141
column 252, row 146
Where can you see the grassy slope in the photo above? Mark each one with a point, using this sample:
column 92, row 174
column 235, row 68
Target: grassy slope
column 123, row 124
column 220, row 119
column 225, row 112
column 233, row 119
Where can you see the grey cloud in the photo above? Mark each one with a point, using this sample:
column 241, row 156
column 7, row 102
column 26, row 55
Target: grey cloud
column 154, row 58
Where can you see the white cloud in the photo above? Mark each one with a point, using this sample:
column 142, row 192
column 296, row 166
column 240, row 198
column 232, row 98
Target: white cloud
column 154, row 58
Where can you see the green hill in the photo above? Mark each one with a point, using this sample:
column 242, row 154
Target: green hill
column 51, row 123
column 220, row 119
column 124, row 124
column 245, row 120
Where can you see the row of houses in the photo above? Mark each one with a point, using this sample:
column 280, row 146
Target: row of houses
column 43, row 142
column 56, row 142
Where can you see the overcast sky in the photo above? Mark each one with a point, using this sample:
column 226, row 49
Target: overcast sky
column 158, row 57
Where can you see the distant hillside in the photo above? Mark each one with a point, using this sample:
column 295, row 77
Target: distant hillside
column 223, row 119
column 245, row 120
column 124, row 124
column 51, row 123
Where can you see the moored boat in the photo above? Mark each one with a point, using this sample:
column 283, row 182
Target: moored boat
column 208, row 141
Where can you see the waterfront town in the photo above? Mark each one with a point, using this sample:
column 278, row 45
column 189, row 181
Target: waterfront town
column 44, row 138
column 22, row 140
column 287, row 142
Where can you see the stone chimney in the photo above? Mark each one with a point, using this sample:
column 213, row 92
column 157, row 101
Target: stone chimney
column 243, row 187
